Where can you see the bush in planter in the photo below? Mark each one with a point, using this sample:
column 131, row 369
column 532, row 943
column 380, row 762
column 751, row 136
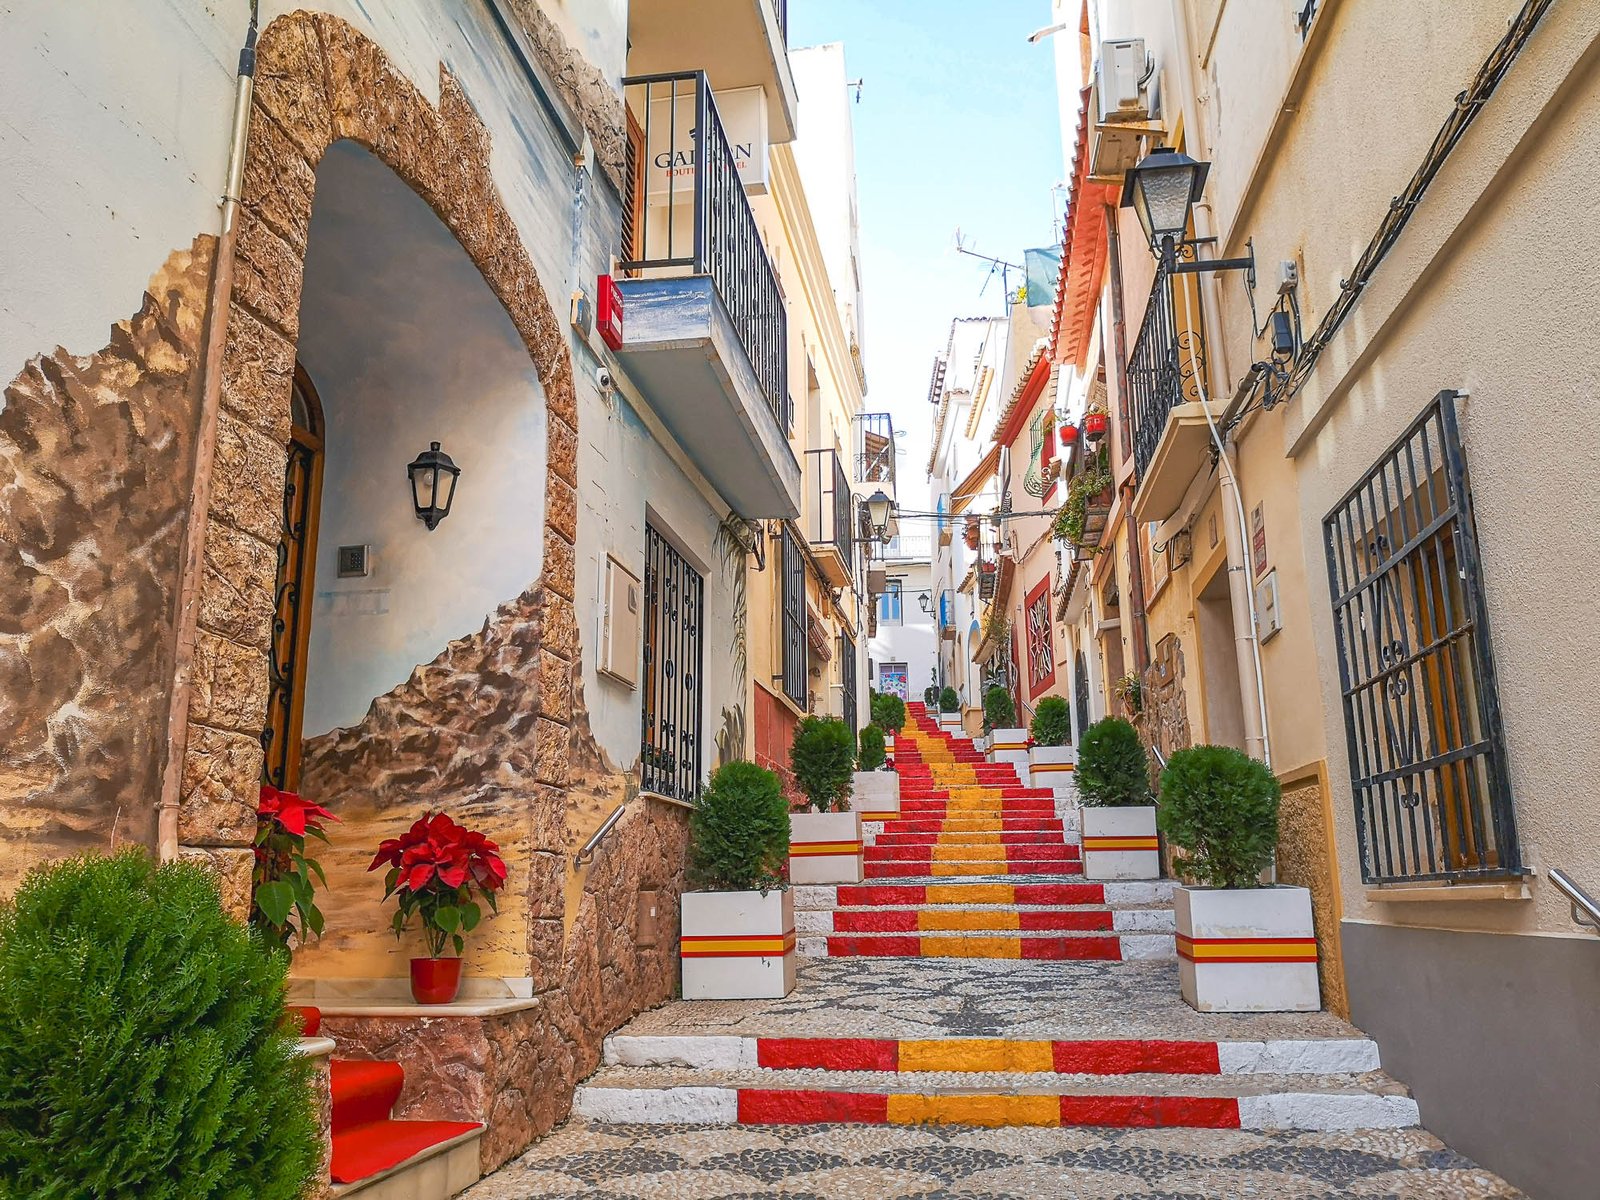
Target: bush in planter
column 822, row 757
column 739, row 831
column 888, row 712
column 1052, row 722
column 949, row 702
column 143, row 1047
column 1220, row 807
column 998, row 710
column 930, row 696
column 1113, row 771
column 870, row 752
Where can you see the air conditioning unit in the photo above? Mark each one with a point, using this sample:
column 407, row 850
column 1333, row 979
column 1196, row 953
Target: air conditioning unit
column 1122, row 82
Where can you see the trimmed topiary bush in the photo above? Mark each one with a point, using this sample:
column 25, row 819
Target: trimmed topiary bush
column 1220, row 807
column 822, row 757
column 870, row 754
column 888, row 712
column 1052, row 722
column 739, row 831
column 948, row 700
column 930, row 696
column 1113, row 771
column 143, row 1047
column 998, row 710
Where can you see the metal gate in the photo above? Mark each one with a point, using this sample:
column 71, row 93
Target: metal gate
column 674, row 608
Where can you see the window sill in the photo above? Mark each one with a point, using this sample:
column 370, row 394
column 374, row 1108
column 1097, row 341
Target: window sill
column 1512, row 889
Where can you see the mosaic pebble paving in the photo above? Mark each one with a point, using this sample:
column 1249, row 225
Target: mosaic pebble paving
column 837, row 1162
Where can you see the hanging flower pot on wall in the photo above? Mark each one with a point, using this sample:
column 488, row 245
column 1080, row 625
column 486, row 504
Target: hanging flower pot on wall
column 1094, row 425
column 970, row 535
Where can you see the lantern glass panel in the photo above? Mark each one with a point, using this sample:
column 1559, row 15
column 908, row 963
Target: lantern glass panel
column 1161, row 200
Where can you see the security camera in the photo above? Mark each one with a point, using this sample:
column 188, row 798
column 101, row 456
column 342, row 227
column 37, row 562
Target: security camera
column 604, row 380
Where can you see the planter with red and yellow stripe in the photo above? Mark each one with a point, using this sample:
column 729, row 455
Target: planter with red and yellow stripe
column 1052, row 767
column 1247, row 950
column 1120, row 843
column 825, row 847
column 875, row 795
column 738, row 945
column 1010, row 746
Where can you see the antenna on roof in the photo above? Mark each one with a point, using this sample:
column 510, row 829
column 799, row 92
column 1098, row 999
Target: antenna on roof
column 858, row 84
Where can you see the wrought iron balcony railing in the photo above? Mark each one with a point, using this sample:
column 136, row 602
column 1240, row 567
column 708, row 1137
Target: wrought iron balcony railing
column 1163, row 369
column 781, row 7
column 828, row 502
column 875, row 450
column 689, row 213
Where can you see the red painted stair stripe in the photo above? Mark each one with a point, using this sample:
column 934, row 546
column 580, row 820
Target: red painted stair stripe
column 829, row 1054
column 758, row 1106
column 1135, row 1058
column 1100, row 949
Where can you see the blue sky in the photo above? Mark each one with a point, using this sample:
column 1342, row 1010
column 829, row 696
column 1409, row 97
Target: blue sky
column 957, row 126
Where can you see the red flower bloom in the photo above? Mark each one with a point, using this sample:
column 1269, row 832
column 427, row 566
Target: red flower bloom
column 293, row 812
column 436, row 848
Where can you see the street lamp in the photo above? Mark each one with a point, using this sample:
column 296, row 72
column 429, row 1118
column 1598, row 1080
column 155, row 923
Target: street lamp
column 925, row 602
column 879, row 508
column 1162, row 190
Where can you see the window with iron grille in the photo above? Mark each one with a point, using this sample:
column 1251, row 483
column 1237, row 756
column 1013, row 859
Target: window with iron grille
column 794, row 620
column 674, row 605
column 847, row 680
column 1421, row 709
column 1041, row 650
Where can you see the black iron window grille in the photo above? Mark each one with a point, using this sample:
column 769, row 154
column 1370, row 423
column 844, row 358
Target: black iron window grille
column 795, row 650
column 847, row 681
column 1421, row 708
column 1164, row 366
column 830, row 504
column 693, row 215
column 674, row 610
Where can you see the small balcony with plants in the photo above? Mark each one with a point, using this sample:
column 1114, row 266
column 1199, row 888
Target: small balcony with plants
column 705, row 332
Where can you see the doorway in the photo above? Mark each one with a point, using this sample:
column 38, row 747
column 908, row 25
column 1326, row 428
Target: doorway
column 1219, row 663
column 293, row 589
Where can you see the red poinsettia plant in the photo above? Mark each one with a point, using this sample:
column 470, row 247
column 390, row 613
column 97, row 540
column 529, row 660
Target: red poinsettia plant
column 284, row 905
column 439, row 872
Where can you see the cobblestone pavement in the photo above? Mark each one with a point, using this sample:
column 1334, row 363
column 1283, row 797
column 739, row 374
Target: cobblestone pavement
column 843, row 1162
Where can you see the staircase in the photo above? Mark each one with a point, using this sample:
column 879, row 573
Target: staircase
column 975, row 978
column 377, row 1157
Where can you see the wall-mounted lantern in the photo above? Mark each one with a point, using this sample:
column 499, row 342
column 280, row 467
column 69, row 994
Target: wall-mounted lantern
column 1162, row 190
column 433, row 484
column 879, row 510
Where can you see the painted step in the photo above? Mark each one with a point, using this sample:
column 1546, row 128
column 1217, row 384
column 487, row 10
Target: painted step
column 762, row 1097
column 945, row 850
column 1099, row 1056
column 975, row 837
column 1026, row 824
column 946, row 919
column 1051, row 895
column 371, row 1150
column 955, row 870
column 1029, row 946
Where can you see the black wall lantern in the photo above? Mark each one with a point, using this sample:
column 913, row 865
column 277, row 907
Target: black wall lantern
column 879, row 509
column 1162, row 190
column 433, row 484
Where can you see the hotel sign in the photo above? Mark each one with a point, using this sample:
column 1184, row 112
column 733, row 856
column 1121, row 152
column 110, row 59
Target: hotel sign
column 670, row 139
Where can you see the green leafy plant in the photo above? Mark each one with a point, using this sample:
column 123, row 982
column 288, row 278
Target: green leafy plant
column 438, row 873
column 870, row 751
column 143, row 1046
column 1072, row 517
column 739, row 831
column 996, row 624
column 998, row 710
column 1052, row 722
column 930, row 695
column 1113, row 771
column 888, row 712
column 949, row 702
column 1130, row 690
column 1220, row 807
column 283, row 882
column 821, row 759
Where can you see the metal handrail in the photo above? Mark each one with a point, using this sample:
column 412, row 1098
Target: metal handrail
column 1585, row 909
column 589, row 847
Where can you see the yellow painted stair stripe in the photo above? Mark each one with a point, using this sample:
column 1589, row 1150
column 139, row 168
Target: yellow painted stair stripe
column 977, row 1054
column 986, row 1111
column 980, row 919
column 970, row 893
column 970, row 947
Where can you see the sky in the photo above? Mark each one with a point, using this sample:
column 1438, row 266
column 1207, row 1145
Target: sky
column 957, row 126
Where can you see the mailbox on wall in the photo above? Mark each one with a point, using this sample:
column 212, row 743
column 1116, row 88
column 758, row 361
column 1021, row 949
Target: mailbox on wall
column 608, row 311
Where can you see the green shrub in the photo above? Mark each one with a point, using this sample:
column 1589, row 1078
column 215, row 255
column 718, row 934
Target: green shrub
column 888, row 712
column 1052, row 722
column 949, row 701
column 1220, row 807
column 870, row 754
column 1113, row 771
column 998, row 710
column 143, row 1049
column 739, row 831
column 930, row 696
column 822, row 757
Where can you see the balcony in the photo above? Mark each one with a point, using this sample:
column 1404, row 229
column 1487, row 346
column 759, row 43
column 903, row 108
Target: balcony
column 738, row 43
column 875, row 451
column 1171, row 434
column 828, row 515
column 705, row 333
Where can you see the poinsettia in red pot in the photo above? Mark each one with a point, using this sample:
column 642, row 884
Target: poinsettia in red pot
column 439, row 872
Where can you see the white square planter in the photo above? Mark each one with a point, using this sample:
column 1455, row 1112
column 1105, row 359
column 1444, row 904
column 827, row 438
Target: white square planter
column 1052, row 767
column 1009, row 746
column 825, row 847
column 875, row 795
column 737, row 945
column 1247, row 950
column 1120, row 843
column 950, row 722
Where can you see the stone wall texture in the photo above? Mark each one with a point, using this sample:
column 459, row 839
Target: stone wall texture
column 1304, row 860
column 96, row 455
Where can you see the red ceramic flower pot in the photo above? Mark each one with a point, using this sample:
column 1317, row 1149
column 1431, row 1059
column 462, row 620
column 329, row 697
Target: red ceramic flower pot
column 1094, row 425
column 435, row 980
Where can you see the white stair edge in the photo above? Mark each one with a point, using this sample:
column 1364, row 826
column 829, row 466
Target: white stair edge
column 435, row 1172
